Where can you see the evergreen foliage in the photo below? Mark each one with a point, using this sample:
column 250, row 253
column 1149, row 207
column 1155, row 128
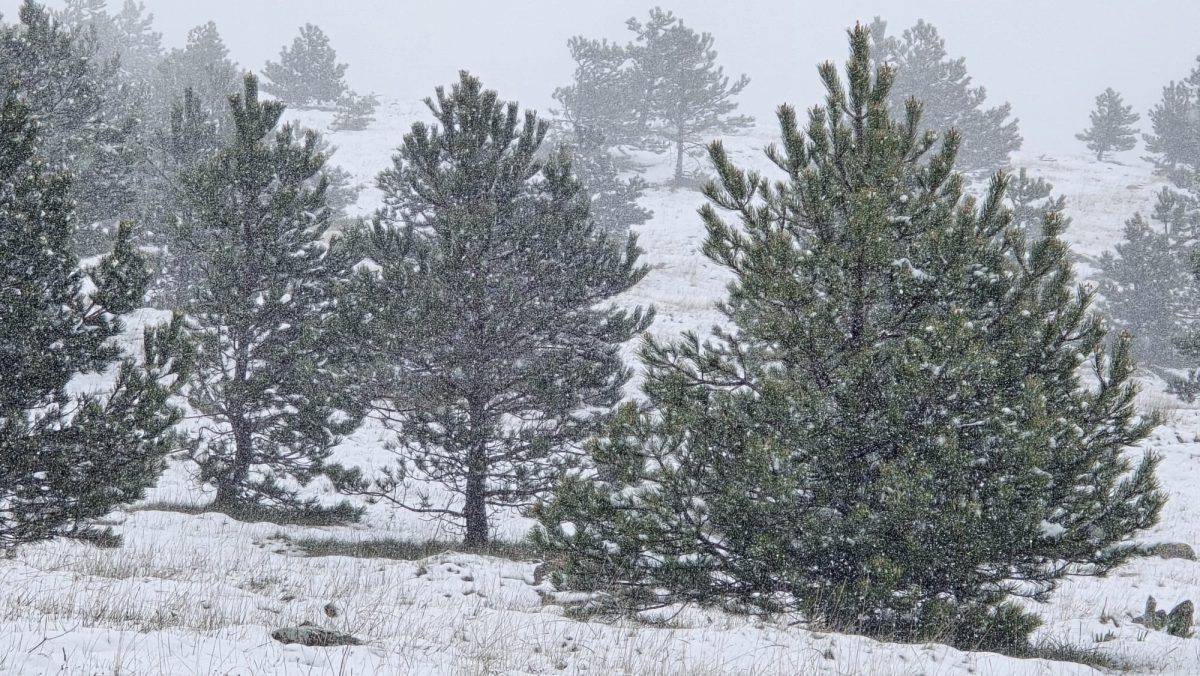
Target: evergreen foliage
column 66, row 458
column 307, row 74
column 484, row 298
column 1146, row 285
column 203, row 66
column 893, row 436
column 1112, row 125
column 925, row 71
column 272, row 371
column 354, row 112
column 66, row 90
column 688, row 98
column 1174, row 141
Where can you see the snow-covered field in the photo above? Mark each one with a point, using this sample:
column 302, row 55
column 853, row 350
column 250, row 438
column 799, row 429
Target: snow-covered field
column 200, row 594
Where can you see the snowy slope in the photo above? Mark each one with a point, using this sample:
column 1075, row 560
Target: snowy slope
column 201, row 593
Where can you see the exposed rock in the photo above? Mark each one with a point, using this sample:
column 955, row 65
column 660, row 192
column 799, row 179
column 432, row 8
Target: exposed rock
column 1179, row 620
column 331, row 609
column 311, row 635
column 1174, row 550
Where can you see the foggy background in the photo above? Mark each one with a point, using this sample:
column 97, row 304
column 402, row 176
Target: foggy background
column 1049, row 59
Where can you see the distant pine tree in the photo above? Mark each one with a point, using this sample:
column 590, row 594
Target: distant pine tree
column 1174, row 140
column 354, row 112
column 489, row 310
column 271, row 369
column 687, row 98
column 1146, row 286
column 924, row 71
column 893, row 436
column 67, row 90
column 307, row 74
column 66, row 459
column 606, row 101
column 202, row 65
column 1032, row 201
column 1112, row 125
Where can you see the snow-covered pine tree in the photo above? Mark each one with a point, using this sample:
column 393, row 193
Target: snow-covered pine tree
column 1112, row 125
column 1174, row 141
column 488, row 309
column 894, row 435
column 271, row 368
column 202, row 65
column 606, row 101
column 66, row 89
column 193, row 140
column 598, row 112
column 65, row 458
column 926, row 72
column 1146, row 286
column 308, row 73
column 613, row 197
column 354, row 112
column 1031, row 200
column 687, row 96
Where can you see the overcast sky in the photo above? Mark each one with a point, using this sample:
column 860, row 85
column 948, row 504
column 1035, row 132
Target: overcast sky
column 1049, row 58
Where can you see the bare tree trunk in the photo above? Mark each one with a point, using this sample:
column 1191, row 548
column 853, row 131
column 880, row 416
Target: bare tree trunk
column 475, row 509
column 678, row 162
column 243, row 452
column 475, row 497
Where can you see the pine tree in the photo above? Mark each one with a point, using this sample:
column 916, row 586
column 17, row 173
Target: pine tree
column 1174, row 141
column 66, row 90
column 193, row 140
column 272, row 372
column 688, row 98
column 1031, row 201
column 893, row 436
column 486, row 309
column 307, row 74
column 1146, row 286
column 1186, row 342
column 924, row 71
column 1112, row 125
column 605, row 102
column 613, row 197
column 354, row 112
column 202, row 65
column 67, row 459
column 596, row 116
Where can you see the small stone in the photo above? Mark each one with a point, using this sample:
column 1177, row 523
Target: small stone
column 331, row 610
column 311, row 635
column 1179, row 620
column 1174, row 550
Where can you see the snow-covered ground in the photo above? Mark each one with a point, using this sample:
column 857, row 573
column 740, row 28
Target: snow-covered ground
column 200, row 594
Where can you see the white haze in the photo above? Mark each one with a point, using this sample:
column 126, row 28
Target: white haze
column 1048, row 58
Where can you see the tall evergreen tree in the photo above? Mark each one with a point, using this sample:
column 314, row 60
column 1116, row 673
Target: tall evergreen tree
column 66, row 459
column 271, row 370
column 1112, row 125
column 894, row 435
column 606, row 101
column 1146, row 285
column 598, row 113
column 308, row 73
column 1174, row 141
column 924, row 71
column 202, row 65
column 66, row 88
column 486, row 309
column 688, row 98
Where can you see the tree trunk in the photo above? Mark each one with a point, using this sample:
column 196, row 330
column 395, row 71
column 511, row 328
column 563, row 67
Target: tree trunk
column 678, row 162
column 243, row 449
column 475, row 509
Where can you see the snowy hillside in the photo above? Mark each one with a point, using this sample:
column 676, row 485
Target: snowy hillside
column 201, row 593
